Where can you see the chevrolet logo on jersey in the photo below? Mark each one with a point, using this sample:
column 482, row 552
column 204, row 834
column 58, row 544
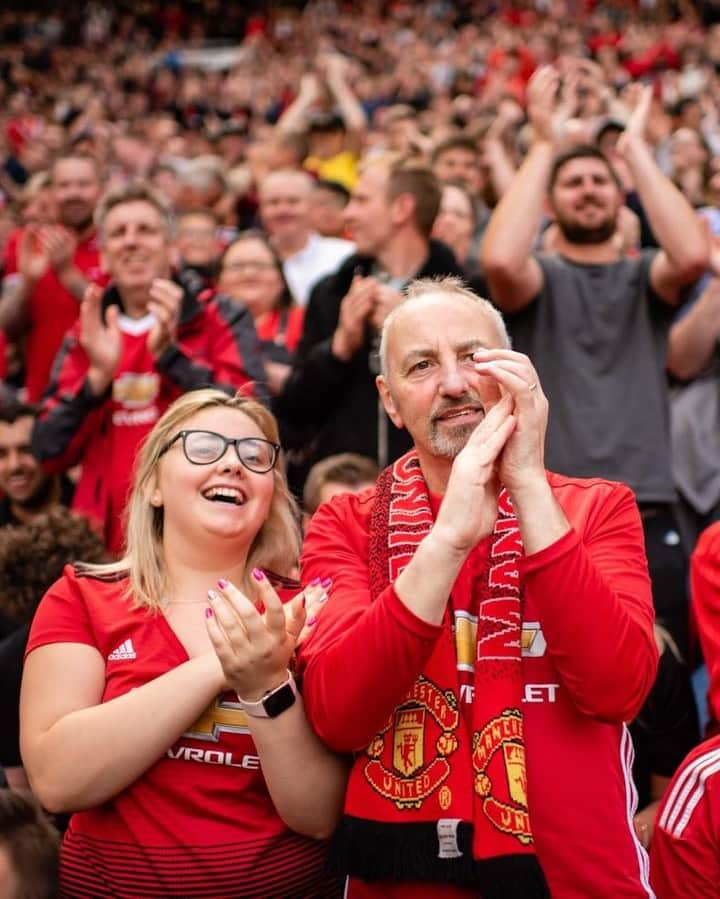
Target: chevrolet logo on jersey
column 532, row 640
column 218, row 717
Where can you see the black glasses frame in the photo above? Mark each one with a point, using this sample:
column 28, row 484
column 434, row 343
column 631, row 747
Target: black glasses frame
column 227, row 441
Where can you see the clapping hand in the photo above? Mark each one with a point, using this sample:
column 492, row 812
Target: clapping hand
column 59, row 244
column 165, row 304
column 639, row 98
column 521, row 460
column 101, row 339
column 469, row 507
column 33, row 258
column 542, row 95
column 386, row 299
column 255, row 641
column 355, row 309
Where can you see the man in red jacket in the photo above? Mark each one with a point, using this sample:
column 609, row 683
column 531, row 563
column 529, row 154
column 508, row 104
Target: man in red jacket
column 48, row 267
column 136, row 348
column 488, row 633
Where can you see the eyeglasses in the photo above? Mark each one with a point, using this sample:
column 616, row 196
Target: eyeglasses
column 206, row 447
column 251, row 265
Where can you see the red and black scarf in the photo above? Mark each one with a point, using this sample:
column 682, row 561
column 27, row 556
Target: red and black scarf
column 433, row 798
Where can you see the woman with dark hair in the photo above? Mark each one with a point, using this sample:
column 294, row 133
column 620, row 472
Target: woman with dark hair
column 158, row 703
column 251, row 273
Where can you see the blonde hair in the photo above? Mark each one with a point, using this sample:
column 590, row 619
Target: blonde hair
column 276, row 545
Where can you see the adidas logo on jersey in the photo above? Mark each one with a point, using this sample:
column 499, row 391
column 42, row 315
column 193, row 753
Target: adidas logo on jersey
column 124, row 651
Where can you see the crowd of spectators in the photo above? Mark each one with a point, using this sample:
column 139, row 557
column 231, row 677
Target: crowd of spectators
column 194, row 193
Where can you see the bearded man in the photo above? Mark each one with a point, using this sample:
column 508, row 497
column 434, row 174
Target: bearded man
column 594, row 321
column 488, row 633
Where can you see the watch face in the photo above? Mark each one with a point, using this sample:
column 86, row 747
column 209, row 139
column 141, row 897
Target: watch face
column 279, row 700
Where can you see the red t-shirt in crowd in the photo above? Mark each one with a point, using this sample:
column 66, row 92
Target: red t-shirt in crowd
column 199, row 823
column 52, row 311
column 282, row 327
column 589, row 660
column 705, row 593
column 685, row 850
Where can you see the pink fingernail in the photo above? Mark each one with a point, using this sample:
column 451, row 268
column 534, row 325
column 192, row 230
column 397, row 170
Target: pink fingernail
column 311, row 621
column 258, row 574
column 222, row 583
column 326, row 583
column 208, row 612
column 315, row 582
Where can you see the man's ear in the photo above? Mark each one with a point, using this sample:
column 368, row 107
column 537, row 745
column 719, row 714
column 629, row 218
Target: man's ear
column 549, row 209
column 402, row 209
column 388, row 402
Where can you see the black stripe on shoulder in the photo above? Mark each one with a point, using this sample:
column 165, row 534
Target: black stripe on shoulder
column 109, row 577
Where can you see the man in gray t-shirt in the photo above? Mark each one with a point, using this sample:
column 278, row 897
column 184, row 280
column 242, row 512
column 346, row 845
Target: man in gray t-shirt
column 597, row 335
column 594, row 321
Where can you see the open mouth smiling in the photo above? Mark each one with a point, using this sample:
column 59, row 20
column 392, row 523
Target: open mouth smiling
column 231, row 495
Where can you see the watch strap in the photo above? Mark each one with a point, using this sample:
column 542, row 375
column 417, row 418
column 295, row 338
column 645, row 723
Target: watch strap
column 274, row 702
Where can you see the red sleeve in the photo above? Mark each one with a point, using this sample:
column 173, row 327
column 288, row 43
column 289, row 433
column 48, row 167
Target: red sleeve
column 69, row 413
column 685, row 850
column 596, row 583
column 62, row 616
column 705, row 593
column 228, row 356
column 296, row 317
column 3, row 356
column 235, row 352
column 383, row 642
column 11, row 251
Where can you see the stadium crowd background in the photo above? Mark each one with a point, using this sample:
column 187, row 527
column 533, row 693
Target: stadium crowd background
column 205, row 101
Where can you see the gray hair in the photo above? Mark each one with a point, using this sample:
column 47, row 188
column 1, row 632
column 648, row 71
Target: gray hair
column 203, row 173
column 450, row 286
column 133, row 192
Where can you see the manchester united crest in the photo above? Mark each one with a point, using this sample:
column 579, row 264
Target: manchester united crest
column 500, row 776
column 408, row 758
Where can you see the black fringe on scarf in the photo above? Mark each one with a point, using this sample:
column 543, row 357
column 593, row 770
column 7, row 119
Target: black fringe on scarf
column 408, row 853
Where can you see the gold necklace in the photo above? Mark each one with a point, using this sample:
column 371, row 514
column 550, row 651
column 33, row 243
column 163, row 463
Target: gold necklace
column 165, row 602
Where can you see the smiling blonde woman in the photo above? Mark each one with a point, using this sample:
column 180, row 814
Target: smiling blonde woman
column 155, row 690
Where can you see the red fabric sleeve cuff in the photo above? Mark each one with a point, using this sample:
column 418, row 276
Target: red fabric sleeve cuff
column 408, row 619
column 549, row 555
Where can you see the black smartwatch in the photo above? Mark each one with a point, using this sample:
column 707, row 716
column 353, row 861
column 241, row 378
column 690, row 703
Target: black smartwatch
column 274, row 702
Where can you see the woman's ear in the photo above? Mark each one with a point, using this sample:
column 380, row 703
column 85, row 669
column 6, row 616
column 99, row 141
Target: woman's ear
column 153, row 493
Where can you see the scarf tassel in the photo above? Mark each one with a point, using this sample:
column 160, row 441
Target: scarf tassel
column 408, row 852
